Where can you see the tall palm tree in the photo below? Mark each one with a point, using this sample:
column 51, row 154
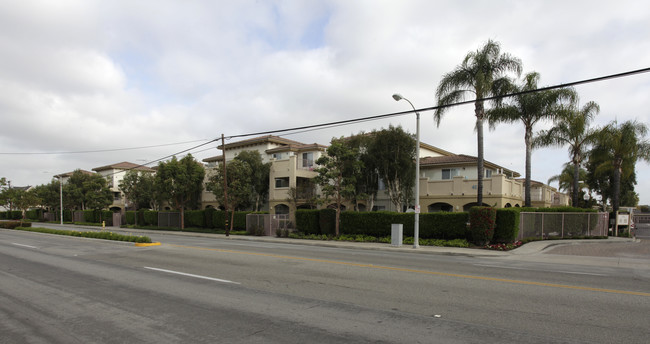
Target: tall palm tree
column 482, row 73
column 566, row 177
column 572, row 129
column 621, row 147
column 530, row 108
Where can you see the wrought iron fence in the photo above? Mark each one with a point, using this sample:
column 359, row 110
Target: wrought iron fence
column 169, row 219
column 563, row 225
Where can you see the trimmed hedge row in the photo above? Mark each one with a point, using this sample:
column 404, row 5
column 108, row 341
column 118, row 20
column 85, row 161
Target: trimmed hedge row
column 208, row 218
column 447, row 226
column 11, row 215
column 95, row 235
column 14, row 224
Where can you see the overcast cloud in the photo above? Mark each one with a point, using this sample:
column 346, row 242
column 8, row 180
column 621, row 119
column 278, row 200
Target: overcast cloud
column 96, row 75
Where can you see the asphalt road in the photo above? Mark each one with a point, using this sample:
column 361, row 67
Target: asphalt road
column 191, row 289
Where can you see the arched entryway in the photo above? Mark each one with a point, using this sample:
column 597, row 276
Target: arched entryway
column 440, row 206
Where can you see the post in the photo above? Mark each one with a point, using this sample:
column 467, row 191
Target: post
column 225, row 184
column 61, row 197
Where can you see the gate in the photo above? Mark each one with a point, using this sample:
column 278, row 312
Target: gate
column 169, row 219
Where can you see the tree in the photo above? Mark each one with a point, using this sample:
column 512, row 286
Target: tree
column 530, row 108
column 393, row 152
column 24, row 200
column 239, row 182
column 481, row 73
column 367, row 185
column 49, row 194
column 565, row 181
column 87, row 191
column 618, row 148
column 259, row 178
column 180, row 183
column 138, row 188
column 571, row 129
column 337, row 174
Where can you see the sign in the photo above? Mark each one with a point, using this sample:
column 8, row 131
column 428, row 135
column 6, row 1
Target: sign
column 623, row 220
column 417, row 209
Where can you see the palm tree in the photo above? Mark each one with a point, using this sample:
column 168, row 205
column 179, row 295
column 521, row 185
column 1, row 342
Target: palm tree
column 530, row 108
column 565, row 178
column 572, row 129
column 481, row 73
column 620, row 147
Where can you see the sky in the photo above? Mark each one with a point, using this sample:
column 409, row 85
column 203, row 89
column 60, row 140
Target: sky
column 87, row 83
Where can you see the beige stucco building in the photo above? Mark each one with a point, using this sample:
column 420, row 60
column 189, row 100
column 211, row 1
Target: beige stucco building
column 114, row 174
column 448, row 181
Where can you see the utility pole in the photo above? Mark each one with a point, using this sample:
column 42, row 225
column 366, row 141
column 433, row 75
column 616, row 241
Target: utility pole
column 225, row 183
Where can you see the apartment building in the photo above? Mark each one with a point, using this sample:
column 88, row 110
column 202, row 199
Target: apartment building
column 114, row 174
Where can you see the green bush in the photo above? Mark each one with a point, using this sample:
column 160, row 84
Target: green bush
column 219, row 218
column 34, row 214
column 209, row 217
column 12, row 215
column 95, row 234
column 444, row 225
column 307, row 221
column 506, row 226
column 14, row 224
column 327, row 221
column 150, row 218
column 89, row 216
column 481, row 224
column 194, row 218
column 130, row 217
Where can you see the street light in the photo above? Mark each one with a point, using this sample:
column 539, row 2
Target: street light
column 416, row 229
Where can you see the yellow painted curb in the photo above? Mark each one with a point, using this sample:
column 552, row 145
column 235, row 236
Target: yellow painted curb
column 141, row 244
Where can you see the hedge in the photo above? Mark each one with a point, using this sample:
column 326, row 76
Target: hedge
column 482, row 221
column 507, row 225
column 307, row 221
column 94, row 234
column 14, row 224
column 11, row 215
column 447, row 226
column 194, row 218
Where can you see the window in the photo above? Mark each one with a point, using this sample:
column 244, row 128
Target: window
column 488, row 173
column 448, row 173
column 381, row 185
column 282, row 182
column 308, row 159
column 277, row 156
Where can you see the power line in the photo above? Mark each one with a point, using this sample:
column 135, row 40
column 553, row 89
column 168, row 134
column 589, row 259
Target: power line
column 394, row 114
column 101, row 150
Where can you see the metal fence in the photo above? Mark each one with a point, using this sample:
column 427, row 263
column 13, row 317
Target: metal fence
column 563, row 225
column 267, row 224
column 169, row 219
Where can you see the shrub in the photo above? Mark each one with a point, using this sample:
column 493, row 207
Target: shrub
column 327, row 221
column 150, row 218
column 95, row 235
column 194, row 218
column 506, row 226
column 481, row 224
column 208, row 217
column 34, row 214
column 444, row 225
column 14, row 224
column 307, row 221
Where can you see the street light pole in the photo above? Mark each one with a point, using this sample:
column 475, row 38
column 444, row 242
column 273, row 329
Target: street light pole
column 416, row 229
column 61, row 197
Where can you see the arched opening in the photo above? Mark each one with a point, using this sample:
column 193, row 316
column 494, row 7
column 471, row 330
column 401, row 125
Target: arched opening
column 508, row 205
column 209, row 207
column 473, row 204
column 116, row 209
column 516, row 205
column 281, row 209
column 440, row 206
column 305, row 206
column 361, row 207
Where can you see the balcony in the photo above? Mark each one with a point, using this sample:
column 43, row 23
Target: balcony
column 497, row 185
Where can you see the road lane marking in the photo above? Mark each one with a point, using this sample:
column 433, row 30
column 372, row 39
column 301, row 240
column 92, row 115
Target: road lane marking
column 425, row 272
column 527, row 269
column 24, row 245
column 191, row 275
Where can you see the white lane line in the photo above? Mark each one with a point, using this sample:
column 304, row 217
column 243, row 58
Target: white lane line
column 527, row 269
column 24, row 245
column 191, row 275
